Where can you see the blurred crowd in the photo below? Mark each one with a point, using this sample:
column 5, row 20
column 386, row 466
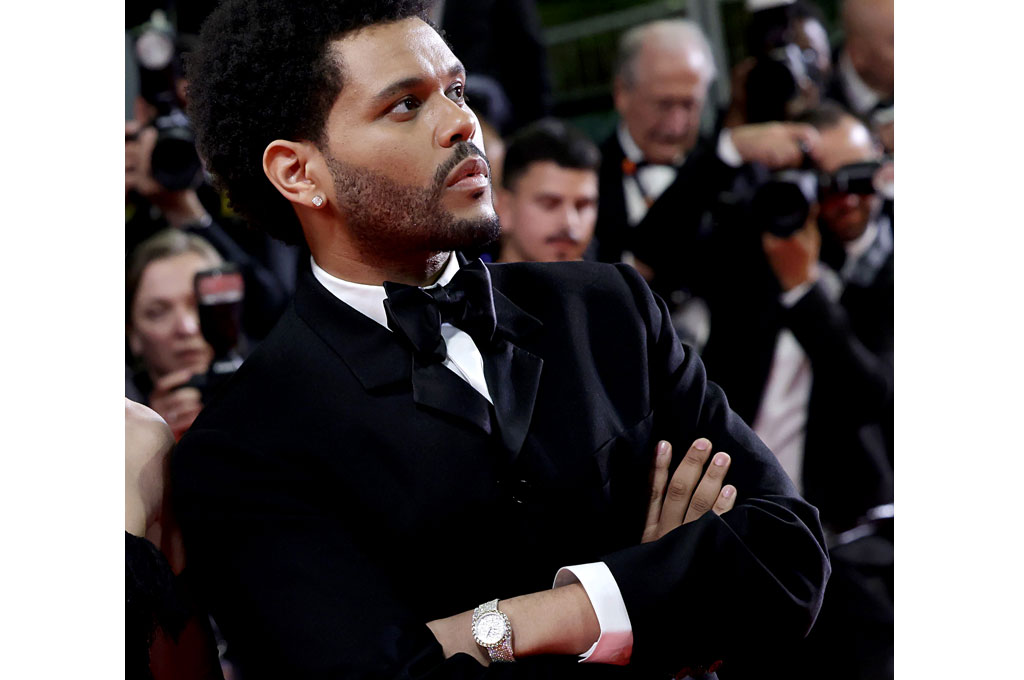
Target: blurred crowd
column 769, row 235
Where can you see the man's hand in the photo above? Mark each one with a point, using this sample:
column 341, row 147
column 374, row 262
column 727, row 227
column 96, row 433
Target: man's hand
column 688, row 495
column 777, row 145
column 178, row 405
column 795, row 259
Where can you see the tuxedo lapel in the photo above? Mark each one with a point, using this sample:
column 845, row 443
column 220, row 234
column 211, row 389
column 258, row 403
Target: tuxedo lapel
column 378, row 361
column 512, row 373
column 435, row 386
column 367, row 348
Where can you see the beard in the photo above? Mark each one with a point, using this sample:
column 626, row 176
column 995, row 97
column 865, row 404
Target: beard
column 385, row 216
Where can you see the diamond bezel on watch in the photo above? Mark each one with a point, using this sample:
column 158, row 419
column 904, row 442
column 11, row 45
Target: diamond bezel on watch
column 501, row 649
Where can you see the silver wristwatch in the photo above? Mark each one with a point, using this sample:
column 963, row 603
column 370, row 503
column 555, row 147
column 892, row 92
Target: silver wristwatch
column 493, row 631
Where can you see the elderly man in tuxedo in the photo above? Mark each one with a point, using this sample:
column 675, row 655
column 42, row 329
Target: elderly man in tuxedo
column 390, row 485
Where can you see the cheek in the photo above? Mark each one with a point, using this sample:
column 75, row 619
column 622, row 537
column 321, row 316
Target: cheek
column 537, row 224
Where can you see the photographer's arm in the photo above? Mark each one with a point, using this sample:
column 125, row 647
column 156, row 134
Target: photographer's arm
column 823, row 328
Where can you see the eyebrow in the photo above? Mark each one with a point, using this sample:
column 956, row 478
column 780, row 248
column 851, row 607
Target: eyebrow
column 399, row 86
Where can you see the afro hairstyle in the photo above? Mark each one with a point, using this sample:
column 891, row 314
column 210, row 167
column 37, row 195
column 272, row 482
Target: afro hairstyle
column 263, row 71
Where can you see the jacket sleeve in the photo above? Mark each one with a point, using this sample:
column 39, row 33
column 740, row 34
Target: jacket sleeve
column 725, row 585
column 840, row 358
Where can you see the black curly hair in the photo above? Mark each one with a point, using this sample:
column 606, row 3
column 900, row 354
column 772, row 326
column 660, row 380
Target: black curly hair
column 263, row 71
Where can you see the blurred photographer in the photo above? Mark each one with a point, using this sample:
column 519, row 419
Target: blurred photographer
column 802, row 340
column 788, row 66
column 165, row 182
column 864, row 78
column 162, row 325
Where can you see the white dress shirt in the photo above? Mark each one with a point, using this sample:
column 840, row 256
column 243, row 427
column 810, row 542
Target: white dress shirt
column 615, row 643
column 862, row 97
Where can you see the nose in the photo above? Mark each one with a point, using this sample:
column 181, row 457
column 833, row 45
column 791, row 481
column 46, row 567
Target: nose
column 571, row 220
column 457, row 124
column 676, row 121
column 187, row 322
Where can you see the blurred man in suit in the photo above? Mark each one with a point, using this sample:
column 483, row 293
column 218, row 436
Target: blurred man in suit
column 864, row 76
column 548, row 204
column 660, row 182
column 802, row 340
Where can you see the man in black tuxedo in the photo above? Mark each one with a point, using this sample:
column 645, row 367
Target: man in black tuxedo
column 803, row 344
column 659, row 180
column 420, row 435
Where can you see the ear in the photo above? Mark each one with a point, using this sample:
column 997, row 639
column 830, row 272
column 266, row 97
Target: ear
column 294, row 168
column 620, row 94
column 134, row 342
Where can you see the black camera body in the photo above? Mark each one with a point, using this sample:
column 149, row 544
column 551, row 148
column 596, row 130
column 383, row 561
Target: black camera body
column 175, row 162
column 220, row 294
column 777, row 80
column 781, row 202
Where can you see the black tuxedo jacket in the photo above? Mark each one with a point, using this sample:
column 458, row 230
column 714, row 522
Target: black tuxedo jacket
column 675, row 226
column 333, row 499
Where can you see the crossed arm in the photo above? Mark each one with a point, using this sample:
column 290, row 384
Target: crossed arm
column 562, row 620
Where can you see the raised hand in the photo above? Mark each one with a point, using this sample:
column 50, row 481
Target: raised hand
column 689, row 494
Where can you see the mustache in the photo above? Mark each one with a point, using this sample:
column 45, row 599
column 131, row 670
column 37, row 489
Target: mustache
column 562, row 236
column 460, row 152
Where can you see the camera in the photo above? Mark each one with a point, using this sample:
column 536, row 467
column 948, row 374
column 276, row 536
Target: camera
column 220, row 294
column 778, row 81
column 781, row 202
column 175, row 163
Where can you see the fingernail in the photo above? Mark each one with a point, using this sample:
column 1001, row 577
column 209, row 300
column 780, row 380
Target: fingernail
column 721, row 459
column 663, row 448
column 701, row 444
column 728, row 491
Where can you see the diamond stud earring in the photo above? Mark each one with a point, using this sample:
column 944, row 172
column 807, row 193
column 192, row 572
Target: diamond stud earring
column 318, row 201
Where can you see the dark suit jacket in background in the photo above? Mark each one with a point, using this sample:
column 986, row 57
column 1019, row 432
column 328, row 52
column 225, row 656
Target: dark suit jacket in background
column 676, row 224
column 330, row 507
column 848, row 452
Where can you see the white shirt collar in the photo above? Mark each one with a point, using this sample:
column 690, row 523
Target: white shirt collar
column 859, row 246
column 633, row 152
column 368, row 299
column 629, row 147
column 862, row 97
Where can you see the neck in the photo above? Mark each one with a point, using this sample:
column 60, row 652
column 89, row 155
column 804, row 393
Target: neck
column 419, row 269
column 340, row 255
column 508, row 253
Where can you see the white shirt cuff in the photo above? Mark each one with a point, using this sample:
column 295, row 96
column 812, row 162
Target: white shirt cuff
column 727, row 150
column 794, row 295
column 615, row 643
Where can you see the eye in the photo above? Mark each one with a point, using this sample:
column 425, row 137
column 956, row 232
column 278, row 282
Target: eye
column 155, row 313
column 406, row 105
column 457, row 93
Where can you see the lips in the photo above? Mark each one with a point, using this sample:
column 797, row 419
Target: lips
column 470, row 172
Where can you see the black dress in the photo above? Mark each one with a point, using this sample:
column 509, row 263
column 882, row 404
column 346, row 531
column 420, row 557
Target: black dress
column 151, row 599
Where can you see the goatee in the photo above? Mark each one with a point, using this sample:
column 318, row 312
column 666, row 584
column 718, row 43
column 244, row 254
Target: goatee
column 383, row 214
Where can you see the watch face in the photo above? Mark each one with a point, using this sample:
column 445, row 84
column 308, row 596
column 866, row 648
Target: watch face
column 490, row 628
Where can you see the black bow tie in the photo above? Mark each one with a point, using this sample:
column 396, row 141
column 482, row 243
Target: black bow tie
column 467, row 303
